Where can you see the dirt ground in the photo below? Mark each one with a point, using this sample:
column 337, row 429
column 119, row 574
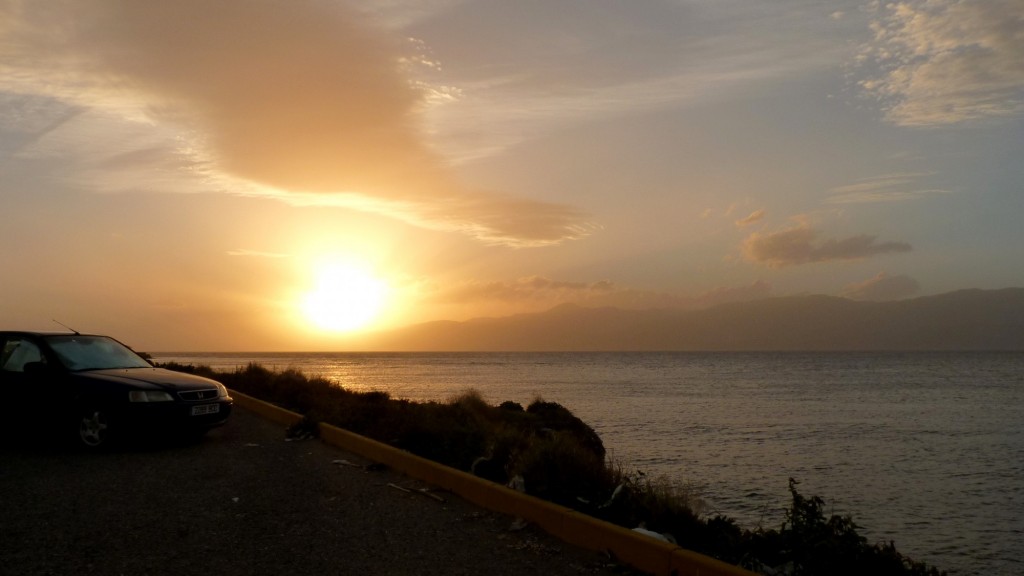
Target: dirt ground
column 246, row 501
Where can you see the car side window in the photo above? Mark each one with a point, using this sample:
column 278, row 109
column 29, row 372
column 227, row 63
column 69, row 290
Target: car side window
column 16, row 353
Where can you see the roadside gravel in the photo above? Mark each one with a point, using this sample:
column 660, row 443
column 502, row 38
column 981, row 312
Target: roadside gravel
column 245, row 501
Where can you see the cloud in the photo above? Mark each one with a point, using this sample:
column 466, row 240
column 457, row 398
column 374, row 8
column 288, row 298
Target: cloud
column 603, row 59
column 947, row 61
column 531, row 288
column 491, row 218
column 542, row 292
column 755, row 216
column 799, row 244
column 883, row 287
column 886, row 188
column 726, row 294
column 300, row 96
column 255, row 253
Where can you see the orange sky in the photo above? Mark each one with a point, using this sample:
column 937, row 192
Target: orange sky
column 186, row 175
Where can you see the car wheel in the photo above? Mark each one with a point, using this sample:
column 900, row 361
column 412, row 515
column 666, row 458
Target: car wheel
column 94, row 428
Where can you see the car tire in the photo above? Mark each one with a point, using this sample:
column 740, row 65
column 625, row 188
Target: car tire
column 94, row 428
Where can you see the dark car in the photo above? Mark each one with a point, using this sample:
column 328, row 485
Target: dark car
column 100, row 390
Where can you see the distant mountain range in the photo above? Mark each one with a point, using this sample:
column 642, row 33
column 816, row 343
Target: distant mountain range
column 962, row 320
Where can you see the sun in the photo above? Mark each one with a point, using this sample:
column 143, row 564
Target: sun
column 345, row 298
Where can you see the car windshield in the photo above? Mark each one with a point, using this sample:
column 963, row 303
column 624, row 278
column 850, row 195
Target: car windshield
column 94, row 353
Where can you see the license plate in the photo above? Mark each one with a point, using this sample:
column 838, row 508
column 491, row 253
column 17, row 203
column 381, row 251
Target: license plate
column 205, row 409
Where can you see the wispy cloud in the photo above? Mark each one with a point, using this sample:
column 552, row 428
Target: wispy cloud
column 947, row 61
column 755, row 216
column 541, row 292
column 885, row 188
column 883, row 287
column 491, row 218
column 304, row 97
column 25, row 120
column 602, row 59
column 527, row 289
column 255, row 254
column 800, row 244
column 884, row 196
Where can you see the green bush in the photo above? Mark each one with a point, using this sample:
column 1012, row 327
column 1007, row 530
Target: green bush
column 808, row 543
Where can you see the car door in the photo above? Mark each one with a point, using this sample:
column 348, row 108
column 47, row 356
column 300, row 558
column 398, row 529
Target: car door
column 30, row 393
column 19, row 352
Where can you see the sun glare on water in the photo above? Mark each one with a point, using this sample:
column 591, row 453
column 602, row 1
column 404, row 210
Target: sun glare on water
column 344, row 299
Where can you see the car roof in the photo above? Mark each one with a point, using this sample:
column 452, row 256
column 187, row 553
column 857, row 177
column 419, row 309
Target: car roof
column 41, row 333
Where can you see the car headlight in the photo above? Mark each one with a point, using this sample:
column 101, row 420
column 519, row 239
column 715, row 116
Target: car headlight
column 149, row 396
column 222, row 390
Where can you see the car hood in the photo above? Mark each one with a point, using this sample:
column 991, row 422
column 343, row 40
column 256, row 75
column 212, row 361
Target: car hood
column 156, row 378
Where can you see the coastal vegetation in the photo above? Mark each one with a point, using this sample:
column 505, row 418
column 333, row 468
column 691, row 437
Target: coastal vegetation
column 547, row 451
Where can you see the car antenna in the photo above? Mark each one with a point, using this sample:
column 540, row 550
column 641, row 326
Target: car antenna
column 77, row 333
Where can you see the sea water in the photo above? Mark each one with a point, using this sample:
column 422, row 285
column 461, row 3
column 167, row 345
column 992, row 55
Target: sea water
column 923, row 449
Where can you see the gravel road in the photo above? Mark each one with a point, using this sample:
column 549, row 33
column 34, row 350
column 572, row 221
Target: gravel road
column 245, row 501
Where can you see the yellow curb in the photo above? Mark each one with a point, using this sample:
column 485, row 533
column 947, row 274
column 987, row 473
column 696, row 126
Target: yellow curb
column 689, row 563
column 632, row 548
column 266, row 409
column 639, row 551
